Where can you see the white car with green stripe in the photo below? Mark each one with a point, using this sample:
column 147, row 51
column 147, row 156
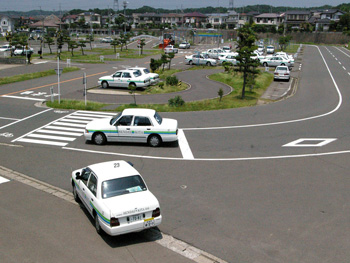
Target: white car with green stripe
column 125, row 79
column 154, row 77
column 116, row 196
column 133, row 125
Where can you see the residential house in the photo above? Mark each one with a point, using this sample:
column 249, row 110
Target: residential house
column 7, row 24
column 296, row 18
column 195, row 19
column 140, row 20
column 90, row 18
column 217, row 19
column 332, row 14
column 244, row 18
column 70, row 19
column 273, row 19
column 50, row 21
column 172, row 19
column 232, row 20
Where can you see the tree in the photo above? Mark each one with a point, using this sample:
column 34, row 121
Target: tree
column 170, row 57
column 142, row 44
column 81, row 44
column 284, row 41
column 245, row 63
column 115, row 43
column 72, row 45
column 164, row 60
column 90, row 39
column 132, row 89
column 155, row 64
column 49, row 40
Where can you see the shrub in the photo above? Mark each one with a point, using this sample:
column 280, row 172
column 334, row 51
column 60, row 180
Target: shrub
column 176, row 102
column 172, row 80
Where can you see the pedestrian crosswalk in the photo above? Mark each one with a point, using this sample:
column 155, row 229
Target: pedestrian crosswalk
column 64, row 130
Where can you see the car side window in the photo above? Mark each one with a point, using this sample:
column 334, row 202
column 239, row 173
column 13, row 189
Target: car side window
column 117, row 75
column 92, row 185
column 125, row 120
column 142, row 121
column 85, row 175
column 126, row 75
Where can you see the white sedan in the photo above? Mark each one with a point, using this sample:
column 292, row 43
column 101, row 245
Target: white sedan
column 154, row 77
column 228, row 58
column 281, row 73
column 133, row 125
column 23, row 51
column 116, row 196
column 275, row 61
column 200, row 59
column 125, row 79
column 185, row 45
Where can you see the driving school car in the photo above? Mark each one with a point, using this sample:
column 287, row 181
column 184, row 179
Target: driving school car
column 154, row 77
column 117, row 197
column 133, row 125
column 125, row 79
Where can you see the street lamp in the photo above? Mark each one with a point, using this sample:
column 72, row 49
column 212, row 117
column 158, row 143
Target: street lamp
column 125, row 4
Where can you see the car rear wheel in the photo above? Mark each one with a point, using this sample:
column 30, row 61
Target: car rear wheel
column 154, row 140
column 99, row 138
column 208, row 64
column 97, row 225
column 265, row 64
column 283, row 64
column 190, row 62
column 132, row 85
column 105, row 84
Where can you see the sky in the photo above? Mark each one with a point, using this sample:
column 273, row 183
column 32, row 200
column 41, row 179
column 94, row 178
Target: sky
column 27, row 5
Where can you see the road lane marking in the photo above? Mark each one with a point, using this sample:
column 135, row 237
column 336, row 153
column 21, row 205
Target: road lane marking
column 305, row 142
column 43, row 142
column 22, row 98
column 184, row 146
column 51, row 137
column 3, row 180
column 51, row 84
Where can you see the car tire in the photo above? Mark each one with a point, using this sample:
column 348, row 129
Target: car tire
column 208, row 64
column 105, row 84
column 190, row 62
column 75, row 194
column 265, row 64
column 97, row 224
column 99, row 138
column 154, row 140
column 283, row 64
column 132, row 85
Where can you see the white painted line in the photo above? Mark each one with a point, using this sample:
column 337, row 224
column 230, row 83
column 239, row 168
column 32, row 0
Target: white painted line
column 26, row 118
column 340, row 101
column 76, row 121
column 93, row 115
column 41, row 62
column 59, row 138
column 344, row 68
column 60, row 132
column 184, row 146
column 348, row 73
column 3, row 180
column 22, row 98
column 43, row 142
column 11, row 119
column 339, row 62
column 61, row 123
column 301, row 142
column 86, row 118
column 64, row 128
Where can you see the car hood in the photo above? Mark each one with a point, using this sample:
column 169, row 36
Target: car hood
column 131, row 204
column 107, row 77
column 99, row 124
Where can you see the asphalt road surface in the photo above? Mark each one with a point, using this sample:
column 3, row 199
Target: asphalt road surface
column 261, row 184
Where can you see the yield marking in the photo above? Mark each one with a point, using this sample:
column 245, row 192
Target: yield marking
column 309, row 142
column 184, row 146
column 3, row 180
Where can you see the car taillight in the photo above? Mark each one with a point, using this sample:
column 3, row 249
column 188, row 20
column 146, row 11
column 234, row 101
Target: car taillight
column 276, row 73
column 114, row 222
column 286, row 74
column 156, row 212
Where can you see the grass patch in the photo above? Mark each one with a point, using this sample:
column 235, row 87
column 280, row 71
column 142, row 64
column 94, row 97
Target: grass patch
column 76, row 105
column 35, row 75
column 157, row 89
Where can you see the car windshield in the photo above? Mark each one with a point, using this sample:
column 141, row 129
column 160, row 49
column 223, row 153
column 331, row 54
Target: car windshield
column 122, row 186
column 146, row 71
column 281, row 69
column 158, row 118
column 116, row 117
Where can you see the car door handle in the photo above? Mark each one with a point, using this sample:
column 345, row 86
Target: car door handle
column 128, row 129
column 148, row 129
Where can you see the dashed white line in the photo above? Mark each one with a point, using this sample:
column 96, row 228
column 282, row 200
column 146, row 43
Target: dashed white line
column 184, row 146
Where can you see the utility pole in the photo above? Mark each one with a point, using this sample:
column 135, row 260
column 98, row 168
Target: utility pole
column 125, row 4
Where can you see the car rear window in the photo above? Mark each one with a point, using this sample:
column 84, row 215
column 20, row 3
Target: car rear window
column 122, row 186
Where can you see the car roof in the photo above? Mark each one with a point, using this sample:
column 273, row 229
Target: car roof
column 145, row 112
column 113, row 169
column 134, row 68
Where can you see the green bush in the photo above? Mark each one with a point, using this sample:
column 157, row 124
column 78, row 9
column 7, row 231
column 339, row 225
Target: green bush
column 176, row 102
column 172, row 80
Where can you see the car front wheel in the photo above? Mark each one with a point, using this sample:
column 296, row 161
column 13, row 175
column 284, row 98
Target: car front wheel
column 99, row 138
column 105, row 84
column 75, row 194
column 208, row 64
column 154, row 140
column 265, row 64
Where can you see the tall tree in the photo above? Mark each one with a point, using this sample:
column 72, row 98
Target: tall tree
column 245, row 63
column 49, row 41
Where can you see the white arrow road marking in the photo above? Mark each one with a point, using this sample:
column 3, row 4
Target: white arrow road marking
column 3, row 180
column 184, row 147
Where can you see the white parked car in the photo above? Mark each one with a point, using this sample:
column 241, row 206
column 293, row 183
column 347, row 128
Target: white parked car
column 125, row 79
column 270, row 49
column 6, row 47
column 275, row 61
column 281, row 73
column 154, row 77
column 215, row 52
column 261, row 48
column 200, row 59
column 23, row 51
column 284, row 54
column 170, row 49
column 185, row 45
column 228, row 58
column 226, row 49
column 117, row 197
column 133, row 125
column 106, row 40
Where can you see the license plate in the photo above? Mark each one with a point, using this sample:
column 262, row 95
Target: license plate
column 135, row 218
column 149, row 223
